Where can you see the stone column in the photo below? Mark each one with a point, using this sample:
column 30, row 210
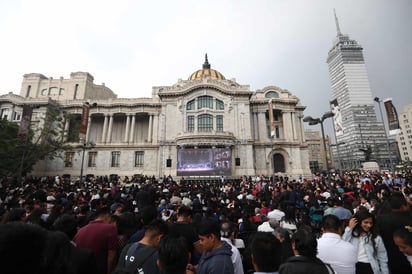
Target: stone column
column 262, row 126
column 155, row 126
column 255, row 126
column 287, row 127
column 104, row 133
column 294, row 126
column 109, row 131
column 150, row 130
column 126, row 133
column 131, row 136
column 302, row 129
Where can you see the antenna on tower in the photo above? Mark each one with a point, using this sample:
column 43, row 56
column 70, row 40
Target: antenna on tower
column 337, row 23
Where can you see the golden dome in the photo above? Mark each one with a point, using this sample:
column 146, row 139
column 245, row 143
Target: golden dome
column 206, row 72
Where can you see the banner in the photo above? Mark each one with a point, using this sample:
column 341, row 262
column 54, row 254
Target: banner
column 337, row 117
column 392, row 115
column 272, row 123
column 25, row 122
column 84, row 121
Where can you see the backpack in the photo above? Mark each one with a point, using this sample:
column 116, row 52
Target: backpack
column 137, row 263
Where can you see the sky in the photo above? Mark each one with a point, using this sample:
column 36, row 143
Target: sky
column 133, row 45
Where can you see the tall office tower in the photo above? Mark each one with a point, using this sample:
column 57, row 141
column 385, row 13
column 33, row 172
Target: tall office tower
column 360, row 137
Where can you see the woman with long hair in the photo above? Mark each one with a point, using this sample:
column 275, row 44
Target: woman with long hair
column 362, row 233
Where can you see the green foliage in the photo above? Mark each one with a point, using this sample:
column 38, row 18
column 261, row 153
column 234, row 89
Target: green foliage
column 18, row 156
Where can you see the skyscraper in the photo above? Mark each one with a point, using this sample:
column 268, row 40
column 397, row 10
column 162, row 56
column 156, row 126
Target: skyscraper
column 360, row 137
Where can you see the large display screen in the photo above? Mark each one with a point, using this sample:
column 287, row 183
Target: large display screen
column 203, row 161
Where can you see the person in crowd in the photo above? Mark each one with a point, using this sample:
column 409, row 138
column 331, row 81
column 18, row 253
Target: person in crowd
column 284, row 238
column 266, row 250
column 340, row 254
column 399, row 217
column 183, row 227
column 151, row 240
column 22, row 248
column 362, row 233
column 304, row 247
column 82, row 259
column 174, row 256
column 227, row 232
column 289, row 221
column 276, row 213
column 216, row 257
column 16, row 215
column 403, row 240
column 58, row 256
column 101, row 237
column 268, row 225
column 146, row 215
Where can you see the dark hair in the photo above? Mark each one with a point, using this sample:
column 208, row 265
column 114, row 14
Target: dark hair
column 209, row 226
column 66, row 223
column 405, row 234
column 266, row 251
column 16, row 214
column 331, row 222
column 305, row 242
column 290, row 215
column 17, row 256
column 148, row 214
column 397, row 200
column 58, row 253
column 173, row 255
column 157, row 227
column 357, row 230
column 185, row 211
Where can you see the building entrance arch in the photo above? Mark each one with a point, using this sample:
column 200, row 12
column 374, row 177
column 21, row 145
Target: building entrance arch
column 278, row 163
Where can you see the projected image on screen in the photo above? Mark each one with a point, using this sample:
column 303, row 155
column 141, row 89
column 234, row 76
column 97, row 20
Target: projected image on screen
column 203, row 161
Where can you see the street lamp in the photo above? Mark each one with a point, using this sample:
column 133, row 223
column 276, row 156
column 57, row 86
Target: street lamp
column 315, row 121
column 377, row 100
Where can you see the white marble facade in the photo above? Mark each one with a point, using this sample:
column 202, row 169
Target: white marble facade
column 138, row 136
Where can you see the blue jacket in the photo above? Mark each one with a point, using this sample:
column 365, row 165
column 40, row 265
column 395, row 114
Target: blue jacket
column 217, row 261
column 379, row 263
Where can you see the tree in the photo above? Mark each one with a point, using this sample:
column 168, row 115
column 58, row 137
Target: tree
column 45, row 140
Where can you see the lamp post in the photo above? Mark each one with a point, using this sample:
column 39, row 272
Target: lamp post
column 339, row 159
column 315, row 121
column 377, row 100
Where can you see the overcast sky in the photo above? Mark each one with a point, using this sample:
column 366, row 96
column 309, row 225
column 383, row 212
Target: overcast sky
column 134, row 45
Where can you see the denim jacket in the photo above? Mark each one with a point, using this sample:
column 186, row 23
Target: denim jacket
column 379, row 263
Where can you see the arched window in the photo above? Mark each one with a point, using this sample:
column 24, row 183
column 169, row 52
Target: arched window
column 54, row 91
column 272, row 94
column 205, row 102
column 205, row 123
column 28, row 91
column 190, row 105
column 44, row 92
column 278, row 163
column 220, row 105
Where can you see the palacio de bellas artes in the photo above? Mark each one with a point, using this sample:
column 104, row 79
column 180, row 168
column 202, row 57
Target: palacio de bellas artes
column 207, row 126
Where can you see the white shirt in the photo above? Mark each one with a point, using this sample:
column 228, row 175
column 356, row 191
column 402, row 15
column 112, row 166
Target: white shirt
column 276, row 214
column 265, row 227
column 341, row 255
column 236, row 258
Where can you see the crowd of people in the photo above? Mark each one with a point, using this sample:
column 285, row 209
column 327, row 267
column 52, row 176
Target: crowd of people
column 359, row 222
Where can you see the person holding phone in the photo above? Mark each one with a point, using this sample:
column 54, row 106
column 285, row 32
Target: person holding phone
column 362, row 233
